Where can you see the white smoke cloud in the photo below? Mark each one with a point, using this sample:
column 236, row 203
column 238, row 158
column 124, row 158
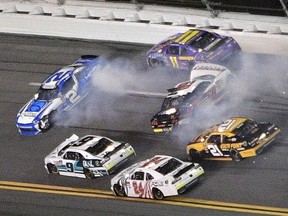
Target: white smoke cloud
column 261, row 79
column 109, row 106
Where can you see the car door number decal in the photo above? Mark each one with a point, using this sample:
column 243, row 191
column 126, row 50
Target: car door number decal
column 138, row 188
column 70, row 167
column 72, row 95
column 214, row 150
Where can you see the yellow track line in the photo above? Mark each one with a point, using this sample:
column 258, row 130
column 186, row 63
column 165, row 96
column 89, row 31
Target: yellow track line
column 179, row 201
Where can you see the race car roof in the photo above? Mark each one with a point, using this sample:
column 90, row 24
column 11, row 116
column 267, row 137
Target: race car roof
column 89, row 143
column 54, row 79
column 202, row 69
column 161, row 163
column 230, row 124
column 187, row 36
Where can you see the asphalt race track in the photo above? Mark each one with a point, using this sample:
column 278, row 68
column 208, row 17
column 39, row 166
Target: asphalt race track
column 260, row 93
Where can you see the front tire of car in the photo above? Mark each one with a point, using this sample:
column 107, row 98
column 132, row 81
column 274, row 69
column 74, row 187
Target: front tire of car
column 88, row 174
column 235, row 155
column 195, row 156
column 119, row 190
column 52, row 169
column 157, row 194
column 47, row 121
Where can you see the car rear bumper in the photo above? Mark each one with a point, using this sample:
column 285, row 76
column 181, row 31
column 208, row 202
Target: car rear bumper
column 260, row 147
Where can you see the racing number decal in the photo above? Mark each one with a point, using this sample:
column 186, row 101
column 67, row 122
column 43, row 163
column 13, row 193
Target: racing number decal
column 174, row 62
column 69, row 167
column 225, row 125
column 142, row 189
column 72, row 95
column 138, row 189
column 214, row 150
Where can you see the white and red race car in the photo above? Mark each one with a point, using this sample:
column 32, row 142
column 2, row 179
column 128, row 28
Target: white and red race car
column 156, row 178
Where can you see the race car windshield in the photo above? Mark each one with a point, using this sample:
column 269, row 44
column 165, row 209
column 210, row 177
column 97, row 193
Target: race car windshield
column 168, row 167
column 187, row 99
column 99, row 147
column 172, row 103
column 246, row 128
column 47, row 94
column 203, row 41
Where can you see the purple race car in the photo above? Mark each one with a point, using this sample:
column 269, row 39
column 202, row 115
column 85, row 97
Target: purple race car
column 184, row 50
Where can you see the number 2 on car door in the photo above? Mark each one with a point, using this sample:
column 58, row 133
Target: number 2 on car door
column 214, row 150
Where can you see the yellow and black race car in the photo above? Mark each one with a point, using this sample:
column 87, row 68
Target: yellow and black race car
column 235, row 138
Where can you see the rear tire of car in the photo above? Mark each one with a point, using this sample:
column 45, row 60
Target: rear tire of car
column 157, row 194
column 155, row 63
column 119, row 190
column 195, row 156
column 88, row 174
column 235, row 155
column 52, row 169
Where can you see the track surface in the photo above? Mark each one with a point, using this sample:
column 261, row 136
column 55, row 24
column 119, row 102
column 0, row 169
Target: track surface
column 260, row 93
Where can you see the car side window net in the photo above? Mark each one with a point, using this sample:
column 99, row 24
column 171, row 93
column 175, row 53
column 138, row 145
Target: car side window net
column 173, row 50
column 138, row 176
column 214, row 139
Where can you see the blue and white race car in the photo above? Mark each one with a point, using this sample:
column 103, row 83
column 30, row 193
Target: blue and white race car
column 59, row 92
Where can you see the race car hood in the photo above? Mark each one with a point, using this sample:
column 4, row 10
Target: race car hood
column 168, row 112
column 34, row 110
column 165, row 115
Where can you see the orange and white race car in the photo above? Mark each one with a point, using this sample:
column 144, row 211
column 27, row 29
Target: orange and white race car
column 156, row 178
column 235, row 138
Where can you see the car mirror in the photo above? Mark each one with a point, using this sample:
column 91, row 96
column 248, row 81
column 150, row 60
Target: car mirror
column 36, row 96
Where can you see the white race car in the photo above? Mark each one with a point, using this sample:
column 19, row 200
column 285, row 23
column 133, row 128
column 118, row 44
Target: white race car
column 156, row 178
column 90, row 156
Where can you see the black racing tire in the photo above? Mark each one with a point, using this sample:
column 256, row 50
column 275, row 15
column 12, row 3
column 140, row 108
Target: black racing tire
column 235, row 155
column 155, row 63
column 157, row 194
column 88, row 174
column 119, row 190
column 49, row 119
column 195, row 156
column 44, row 123
column 52, row 169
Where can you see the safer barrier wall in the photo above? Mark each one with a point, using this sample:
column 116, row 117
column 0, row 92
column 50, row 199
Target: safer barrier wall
column 147, row 25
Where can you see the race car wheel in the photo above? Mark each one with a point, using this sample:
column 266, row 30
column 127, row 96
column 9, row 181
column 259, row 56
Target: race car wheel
column 52, row 168
column 88, row 174
column 47, row 121
column 235, row 155
column 155, row 63
column 195, row 155
column 157, row 194
column 44, row 123
column 119, row 190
